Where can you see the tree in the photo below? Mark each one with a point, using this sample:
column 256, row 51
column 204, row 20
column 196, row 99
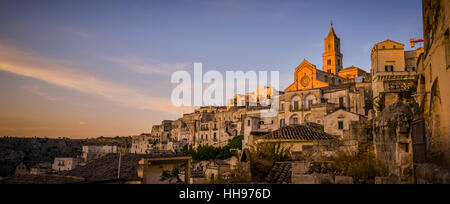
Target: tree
column 380, row 102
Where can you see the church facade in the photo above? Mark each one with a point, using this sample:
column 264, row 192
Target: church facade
column 307, row 76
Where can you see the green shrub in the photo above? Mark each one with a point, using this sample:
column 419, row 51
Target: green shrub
column 380, row 102
column 363, row 165
column 264, row 155
column 204, row 153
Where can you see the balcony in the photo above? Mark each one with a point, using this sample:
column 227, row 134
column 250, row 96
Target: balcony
column 291, row 109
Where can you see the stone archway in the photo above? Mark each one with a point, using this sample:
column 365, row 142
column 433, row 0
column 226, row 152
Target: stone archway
column 434, row 140
column 294, row 120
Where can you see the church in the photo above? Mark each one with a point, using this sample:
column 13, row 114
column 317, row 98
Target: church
column 307, row 76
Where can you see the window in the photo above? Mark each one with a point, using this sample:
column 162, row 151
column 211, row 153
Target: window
column 206, row 136
column 282, row 107
column 329, row 62
column 296, row 106
column 341, row 101
column 202, row 137
column 215, row 136
column 340, row 125
column 248, row 123
column 295, row 121
column 339, row 62
column 282, row 123
column 389, row 68
column 310, row 102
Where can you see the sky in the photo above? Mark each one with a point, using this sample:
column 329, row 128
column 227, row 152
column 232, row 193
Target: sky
column 82, row 68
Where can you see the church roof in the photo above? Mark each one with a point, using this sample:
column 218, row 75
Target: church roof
column 351, row 68
column 332, row 33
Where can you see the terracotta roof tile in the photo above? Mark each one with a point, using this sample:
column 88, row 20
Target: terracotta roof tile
column 298, row 132
column 280, row 173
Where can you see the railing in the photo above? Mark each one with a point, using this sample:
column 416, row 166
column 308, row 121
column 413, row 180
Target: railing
column 299, row 109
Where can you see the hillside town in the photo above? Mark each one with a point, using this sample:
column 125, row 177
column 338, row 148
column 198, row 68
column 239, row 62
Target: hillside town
column 335, row 125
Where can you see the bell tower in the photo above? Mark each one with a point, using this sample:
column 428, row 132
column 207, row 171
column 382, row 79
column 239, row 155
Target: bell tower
column 332, row 57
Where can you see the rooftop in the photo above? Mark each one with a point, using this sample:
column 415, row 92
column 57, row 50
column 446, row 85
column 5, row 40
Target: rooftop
column 280, row 173
column 298, row 132
column 41, row 179
column 105, row 168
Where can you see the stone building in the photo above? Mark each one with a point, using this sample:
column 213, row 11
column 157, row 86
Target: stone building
column 143, row 143
column 393, row 141
column 431, row 127
column 393, row 69
column 434, row 79
column 21, row 169
column 313, row 95
column 297, row 138
column 216, row 171
column 90, row 153
column 338, row 122
column 65, row 164
column 307, row 76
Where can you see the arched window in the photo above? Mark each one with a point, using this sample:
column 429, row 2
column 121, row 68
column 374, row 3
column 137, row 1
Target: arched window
column 295, row 103
column 309, row 101
column 293, row 120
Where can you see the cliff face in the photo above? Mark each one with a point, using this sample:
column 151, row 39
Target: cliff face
column 32, row 151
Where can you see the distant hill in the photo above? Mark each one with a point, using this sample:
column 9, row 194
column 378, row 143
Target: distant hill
column 38, row 150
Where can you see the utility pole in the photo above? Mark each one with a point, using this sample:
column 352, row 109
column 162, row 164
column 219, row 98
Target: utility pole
column 118, row 169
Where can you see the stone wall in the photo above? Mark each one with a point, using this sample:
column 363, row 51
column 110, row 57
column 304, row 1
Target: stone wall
column 392, row 140
column 432, row 174
column 316, row 173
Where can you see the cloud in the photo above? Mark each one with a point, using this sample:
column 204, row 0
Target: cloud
column 38, row 91
column 146, row 66
column 75, row 31
column 82, row 123
column 61, row 73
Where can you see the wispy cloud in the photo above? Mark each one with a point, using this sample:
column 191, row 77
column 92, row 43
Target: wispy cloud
column 146, row 66
column 64, row 74
column 75, row 31
column 38, row 91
